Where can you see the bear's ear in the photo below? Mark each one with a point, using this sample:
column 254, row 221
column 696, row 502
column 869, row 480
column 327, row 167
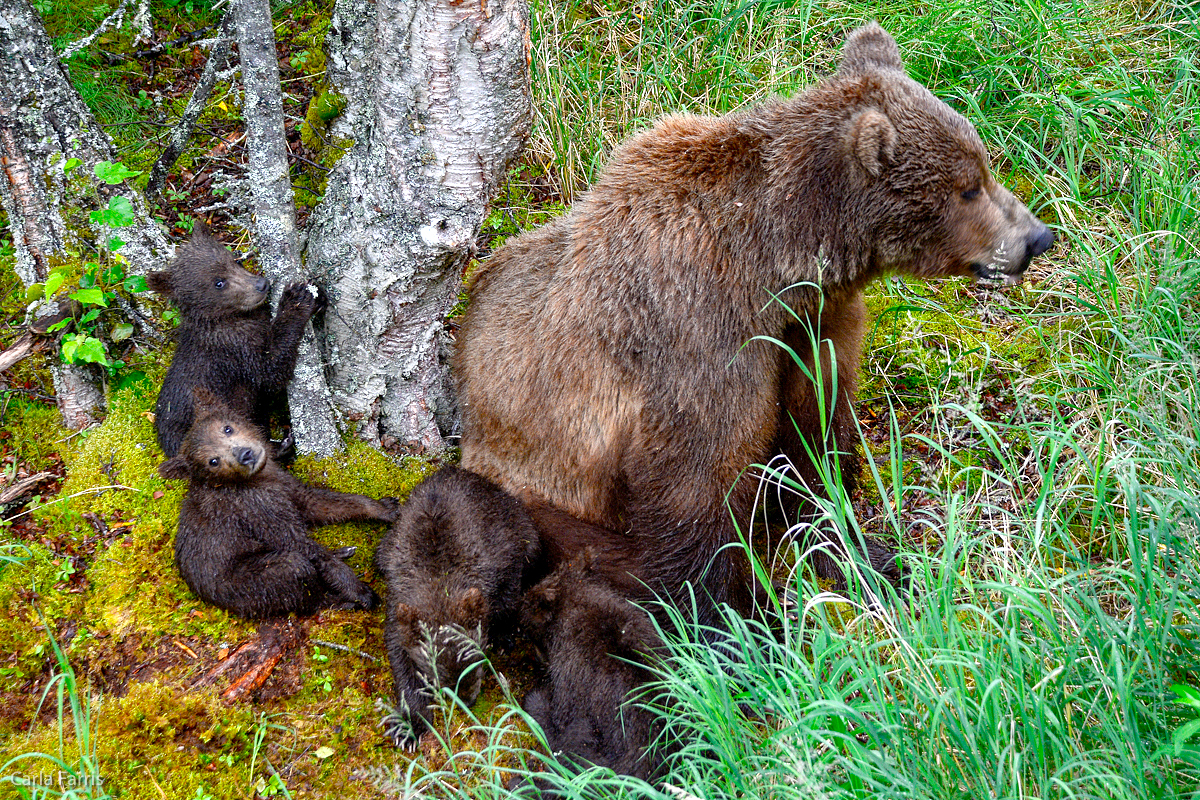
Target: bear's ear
column 407, row 618
column 537, row 608
column 872, row 140
column 870, row 47
column 174, row 469
column 203, row 398
column 159, row 281
column 637, row 636
column 470, row 607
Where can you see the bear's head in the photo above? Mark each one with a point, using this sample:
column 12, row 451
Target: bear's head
column 447, row 643
column 205, row 280
column 916, row 174
column 220, row 448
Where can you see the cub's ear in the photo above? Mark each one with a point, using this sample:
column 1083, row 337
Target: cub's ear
column 203, row 398
column 174, row 469
column 200, row 230
column 471, row 607
column 408, row 619
column 872, row 140
column 870, row 47
column 540, row 602
column 159, row 281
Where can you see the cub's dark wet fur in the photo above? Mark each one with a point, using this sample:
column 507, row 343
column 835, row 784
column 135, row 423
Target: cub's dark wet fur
column 228, row 341
column 243, row 540
column 454, row 562
column 596, row 644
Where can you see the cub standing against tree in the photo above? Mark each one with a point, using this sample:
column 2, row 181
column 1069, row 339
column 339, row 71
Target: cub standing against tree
column 228, row 342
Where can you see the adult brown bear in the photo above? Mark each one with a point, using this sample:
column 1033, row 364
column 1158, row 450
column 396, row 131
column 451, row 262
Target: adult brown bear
column 602, row 363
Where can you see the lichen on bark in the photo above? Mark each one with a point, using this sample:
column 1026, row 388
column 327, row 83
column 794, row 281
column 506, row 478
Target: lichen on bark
column 439, row 109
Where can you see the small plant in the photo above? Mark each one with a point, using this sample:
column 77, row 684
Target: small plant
column 96, row 325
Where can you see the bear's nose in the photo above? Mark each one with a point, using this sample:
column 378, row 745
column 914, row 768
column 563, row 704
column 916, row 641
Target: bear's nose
column 1041, row 242
column 262, row 285
column 245, row 456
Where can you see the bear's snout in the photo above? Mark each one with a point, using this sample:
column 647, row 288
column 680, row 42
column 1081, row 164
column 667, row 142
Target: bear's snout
column 245, row 456
column 1039, row 241
column 262, row 285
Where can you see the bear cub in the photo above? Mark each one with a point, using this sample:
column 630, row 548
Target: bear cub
column 597, row 645
column 243, row 540
column 454, row 563
column 228, row 342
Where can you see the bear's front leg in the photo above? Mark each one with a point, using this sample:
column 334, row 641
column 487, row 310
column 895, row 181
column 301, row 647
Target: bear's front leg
column 298, row 303
column 327, row 507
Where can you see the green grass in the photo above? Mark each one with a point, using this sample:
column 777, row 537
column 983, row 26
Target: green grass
column 1037, row 451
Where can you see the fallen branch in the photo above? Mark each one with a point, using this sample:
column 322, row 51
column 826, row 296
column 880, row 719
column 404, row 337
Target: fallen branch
column 26, row 345
column 22, row 487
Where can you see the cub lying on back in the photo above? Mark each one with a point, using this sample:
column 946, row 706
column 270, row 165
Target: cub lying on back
column 454, row 563
column 243, row 540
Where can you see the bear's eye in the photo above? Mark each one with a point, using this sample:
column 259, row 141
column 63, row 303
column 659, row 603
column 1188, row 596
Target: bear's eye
column 228, row 431
column 971, row 194
column 220, row 284
column 212, row 462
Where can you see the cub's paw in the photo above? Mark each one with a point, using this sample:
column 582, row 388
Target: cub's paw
column 398, row 727
column 344, row 553
column 390, row 510
column 303, row 298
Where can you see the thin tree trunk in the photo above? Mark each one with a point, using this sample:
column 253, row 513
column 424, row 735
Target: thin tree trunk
column 448, row 111
column 43, row 124
column 275, row 215
column 218, row 59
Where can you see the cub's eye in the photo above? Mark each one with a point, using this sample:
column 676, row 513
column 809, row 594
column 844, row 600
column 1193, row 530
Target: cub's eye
column 971, row 194
column 228, row 431
column 212, row 462
column 220, row 284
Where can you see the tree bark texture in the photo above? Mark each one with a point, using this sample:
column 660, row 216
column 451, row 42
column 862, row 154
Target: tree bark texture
column 43, row 123
column 449, row 109
column 274, row 229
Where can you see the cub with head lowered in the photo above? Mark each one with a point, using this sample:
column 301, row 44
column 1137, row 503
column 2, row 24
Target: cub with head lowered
column 454, row 562
column 243, row 540
column 228, row 341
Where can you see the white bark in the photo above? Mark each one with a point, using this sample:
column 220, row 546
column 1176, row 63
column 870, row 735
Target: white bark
column 43, row 123
column 448, row 110
column 274, row 229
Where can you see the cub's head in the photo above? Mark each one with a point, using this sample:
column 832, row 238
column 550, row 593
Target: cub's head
column 922, row 173
column 220, row 448
column 447, row 643
column 205, row 280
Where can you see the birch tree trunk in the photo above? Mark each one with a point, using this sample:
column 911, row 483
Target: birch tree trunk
column 274, row 229
column 43, row 123
column 447, row 92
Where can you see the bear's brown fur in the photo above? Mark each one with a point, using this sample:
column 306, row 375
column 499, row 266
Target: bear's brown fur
column 228, row 342
column 596, row 646
column 454, row 562
column 243, row 540
column 608, row 366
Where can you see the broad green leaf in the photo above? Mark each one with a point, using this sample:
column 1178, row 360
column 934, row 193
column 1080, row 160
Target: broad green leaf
column 91, row 350
column 91, row 296
column 70, row 164
column 69, row 345
column 122, row 331
column 54, row 283
column 113, row 173
column 115, row 243
column 136, row 284
column 58, row 326
column 89, row 316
